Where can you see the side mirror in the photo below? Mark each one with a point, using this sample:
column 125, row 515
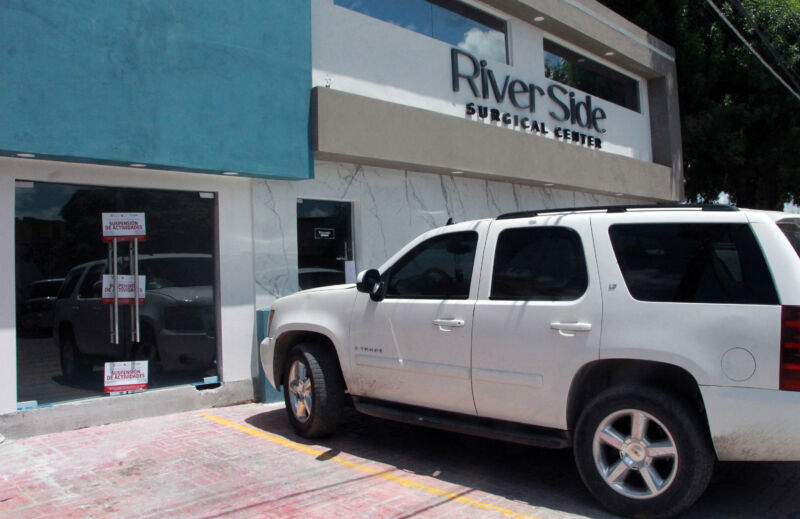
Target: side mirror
column 369, row 282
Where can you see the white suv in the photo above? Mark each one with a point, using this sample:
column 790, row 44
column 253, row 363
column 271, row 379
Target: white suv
column 652, row 340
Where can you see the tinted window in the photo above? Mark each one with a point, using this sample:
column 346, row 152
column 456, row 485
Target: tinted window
column 539, row 264
column 69, row 283
column 46, row 288
column 791, row 228
column 439, row 268
column 693, row 263
column 90, row 287
column 452, row 22
column 577, row 71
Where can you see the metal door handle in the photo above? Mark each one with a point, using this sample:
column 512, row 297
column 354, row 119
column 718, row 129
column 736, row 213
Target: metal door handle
column 571, row 327
column 450, row 323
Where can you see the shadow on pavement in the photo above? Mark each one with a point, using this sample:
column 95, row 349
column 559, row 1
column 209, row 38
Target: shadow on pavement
column 534, row 476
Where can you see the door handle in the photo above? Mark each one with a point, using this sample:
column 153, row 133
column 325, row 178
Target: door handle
column 448, row 323
column 565, row 328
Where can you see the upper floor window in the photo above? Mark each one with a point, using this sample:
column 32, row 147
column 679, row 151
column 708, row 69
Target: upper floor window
column 570, row 68
column 452, row 22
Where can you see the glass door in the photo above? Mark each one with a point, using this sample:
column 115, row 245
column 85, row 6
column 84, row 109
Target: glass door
column 63, row 327
column 324, row 243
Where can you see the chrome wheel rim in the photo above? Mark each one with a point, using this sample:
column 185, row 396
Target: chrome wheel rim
column 635, row 454
column 300, row 391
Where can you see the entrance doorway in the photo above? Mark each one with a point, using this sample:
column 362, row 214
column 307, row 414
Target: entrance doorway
column 63, row 327
column 324, row 243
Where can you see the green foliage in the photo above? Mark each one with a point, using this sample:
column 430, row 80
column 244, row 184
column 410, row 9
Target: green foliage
column 741, row 131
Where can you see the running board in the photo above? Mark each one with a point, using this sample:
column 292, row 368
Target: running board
column 472, row 425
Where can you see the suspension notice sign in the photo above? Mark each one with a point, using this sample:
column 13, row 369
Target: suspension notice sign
column 124, row 377
column 123, row 227
column 126, row 289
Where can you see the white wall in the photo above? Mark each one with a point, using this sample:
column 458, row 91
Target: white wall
column 237, row 328
column 356, row 53
column 390, row 207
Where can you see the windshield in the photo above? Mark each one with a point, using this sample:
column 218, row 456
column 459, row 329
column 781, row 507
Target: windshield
column 791, row 228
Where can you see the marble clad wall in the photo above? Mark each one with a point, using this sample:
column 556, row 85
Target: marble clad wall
column 390, row 208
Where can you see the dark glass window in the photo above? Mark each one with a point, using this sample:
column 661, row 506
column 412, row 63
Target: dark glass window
column 324, row 242
column 570, row 68
column 439, row 268
column 539, row 264
column 791, row 228
column 693, row 263
column 452, row 22
column 184, row 270
column 58, row 234
column 48, row 288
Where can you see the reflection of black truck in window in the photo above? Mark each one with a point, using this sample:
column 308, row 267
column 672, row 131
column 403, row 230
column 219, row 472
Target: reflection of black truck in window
column 178, row 325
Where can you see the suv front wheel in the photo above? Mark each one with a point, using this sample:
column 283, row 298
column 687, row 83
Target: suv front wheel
column 642, row 452
column 313, row 390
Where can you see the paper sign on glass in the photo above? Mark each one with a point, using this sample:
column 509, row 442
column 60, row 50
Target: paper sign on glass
column 123, row 226
column 125, row 376
column 126, row 289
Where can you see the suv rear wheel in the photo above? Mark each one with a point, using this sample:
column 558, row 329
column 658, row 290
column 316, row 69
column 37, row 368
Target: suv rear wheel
column 642, row 452
column 313, row 390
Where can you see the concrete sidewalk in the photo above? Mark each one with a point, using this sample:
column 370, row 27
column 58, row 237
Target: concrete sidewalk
column 244, row 461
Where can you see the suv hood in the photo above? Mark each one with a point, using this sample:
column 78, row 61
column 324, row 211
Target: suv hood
column 327, row 288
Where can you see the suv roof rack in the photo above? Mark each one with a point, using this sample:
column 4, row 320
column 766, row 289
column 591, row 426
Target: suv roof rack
column 616, row 209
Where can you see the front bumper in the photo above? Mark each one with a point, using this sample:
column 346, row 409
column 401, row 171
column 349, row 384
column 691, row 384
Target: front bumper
column 753, row 424
column 267, row 355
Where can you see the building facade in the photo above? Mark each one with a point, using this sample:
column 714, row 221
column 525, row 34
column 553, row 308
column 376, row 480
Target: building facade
column 274, row 146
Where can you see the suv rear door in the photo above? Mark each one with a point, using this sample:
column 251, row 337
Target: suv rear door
column 537, row 318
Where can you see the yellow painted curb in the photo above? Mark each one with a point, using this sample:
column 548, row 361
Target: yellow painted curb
column 401, row 480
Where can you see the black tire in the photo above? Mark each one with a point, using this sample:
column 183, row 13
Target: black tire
column 312, row 379
column 146, row 349
column 74, row 366
column 647, row 480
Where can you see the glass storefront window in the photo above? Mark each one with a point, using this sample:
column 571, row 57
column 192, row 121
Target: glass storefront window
column 64, row 338
column 570, row 68
column 452, row 22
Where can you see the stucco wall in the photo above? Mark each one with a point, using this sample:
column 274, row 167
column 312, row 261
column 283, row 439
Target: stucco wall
column 203, row 84
column 355, row 53
column 390, row 208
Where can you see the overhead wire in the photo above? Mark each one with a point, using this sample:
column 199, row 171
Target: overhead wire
column 775, row 54
column 752, row 50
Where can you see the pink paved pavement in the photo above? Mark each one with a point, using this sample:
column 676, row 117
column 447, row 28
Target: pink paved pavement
column 240, row 461
column 245, row 461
